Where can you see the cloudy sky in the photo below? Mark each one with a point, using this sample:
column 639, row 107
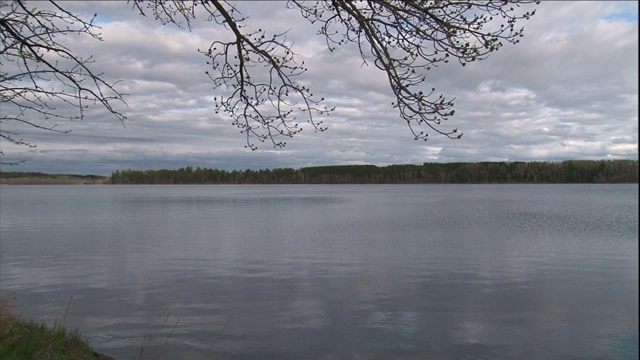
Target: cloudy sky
column 569, row 90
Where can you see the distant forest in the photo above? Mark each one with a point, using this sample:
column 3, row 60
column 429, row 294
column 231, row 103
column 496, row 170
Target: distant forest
column 38, row 178
column 572, row 171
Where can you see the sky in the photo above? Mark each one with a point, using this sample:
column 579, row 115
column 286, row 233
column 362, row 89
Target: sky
column 568, row 90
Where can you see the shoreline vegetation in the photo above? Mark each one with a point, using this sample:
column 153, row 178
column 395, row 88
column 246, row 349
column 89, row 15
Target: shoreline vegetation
column 570, row 171
column 27, row 339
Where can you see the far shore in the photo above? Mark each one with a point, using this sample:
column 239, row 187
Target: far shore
column 536, row 172
column 54, row 181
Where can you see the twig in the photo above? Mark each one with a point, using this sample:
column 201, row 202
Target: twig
column 167, row 339
column 221, row 331
column 64, row 319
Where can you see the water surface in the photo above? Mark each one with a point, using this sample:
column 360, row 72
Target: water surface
column 330, row 272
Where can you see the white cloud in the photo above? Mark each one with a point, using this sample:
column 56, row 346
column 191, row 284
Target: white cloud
column 568, row 91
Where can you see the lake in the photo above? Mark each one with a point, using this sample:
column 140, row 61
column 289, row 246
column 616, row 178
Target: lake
column 329, row 271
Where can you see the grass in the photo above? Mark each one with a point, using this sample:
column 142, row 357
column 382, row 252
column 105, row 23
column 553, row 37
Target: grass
column 22, row 339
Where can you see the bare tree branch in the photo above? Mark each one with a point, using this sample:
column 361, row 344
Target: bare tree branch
column 259, row 73
column 406, row 39
column 41, row 79
column 403, row 38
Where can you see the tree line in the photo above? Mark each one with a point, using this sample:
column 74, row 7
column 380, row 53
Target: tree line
column 571, row 171
column 38, row 178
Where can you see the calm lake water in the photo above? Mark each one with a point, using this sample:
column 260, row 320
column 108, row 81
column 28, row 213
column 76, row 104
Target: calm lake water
column 329, row 272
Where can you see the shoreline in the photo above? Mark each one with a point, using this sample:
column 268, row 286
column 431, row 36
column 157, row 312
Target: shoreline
column 53, row 181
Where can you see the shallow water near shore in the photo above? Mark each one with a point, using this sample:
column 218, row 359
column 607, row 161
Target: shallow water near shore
column 329, row 271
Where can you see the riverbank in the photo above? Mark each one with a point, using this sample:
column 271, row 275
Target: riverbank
column 27, row 339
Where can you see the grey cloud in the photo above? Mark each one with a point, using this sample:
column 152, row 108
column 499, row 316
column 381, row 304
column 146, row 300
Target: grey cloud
column 569, row 90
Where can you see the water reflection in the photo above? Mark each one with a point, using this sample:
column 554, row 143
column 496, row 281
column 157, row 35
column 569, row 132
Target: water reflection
column 368, row 272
